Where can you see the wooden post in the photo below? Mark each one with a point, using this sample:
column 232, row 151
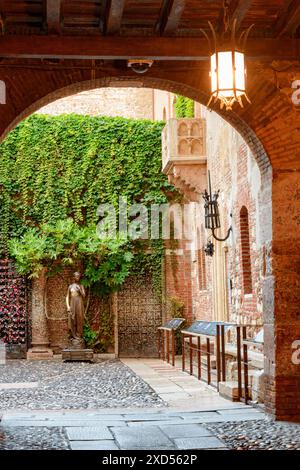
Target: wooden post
column 223, row 356
column 168, row 346
column 208, row 360
column 163, row 345
column 191, row 354
column 173, row 348
column 245, row 360
column 199, row 356
column 158, row 343
column 183, row 351
column 218, row 356
column 239, row 364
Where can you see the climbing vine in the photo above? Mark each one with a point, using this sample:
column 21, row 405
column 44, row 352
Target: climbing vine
column 56, row 171
column 184, row 107
column 54, row 174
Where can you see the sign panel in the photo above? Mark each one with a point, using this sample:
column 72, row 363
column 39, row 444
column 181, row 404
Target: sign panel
column 207, row 328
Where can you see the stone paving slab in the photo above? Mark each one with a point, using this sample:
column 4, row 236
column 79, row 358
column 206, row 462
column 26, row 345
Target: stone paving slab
column 199, row 443
column 67, row 417
column 60, row 423
column 149, row 417
column 242, row 417
column 94, row 433
column 133, row 424
column 151, row 437
column 201, row 415
column 185, row 430
column 93, row 445
column 239, row 411
column 21, row 385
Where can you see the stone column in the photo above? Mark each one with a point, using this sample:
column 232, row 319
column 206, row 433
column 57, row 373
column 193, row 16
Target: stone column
column 281, row 309
column 40, row 335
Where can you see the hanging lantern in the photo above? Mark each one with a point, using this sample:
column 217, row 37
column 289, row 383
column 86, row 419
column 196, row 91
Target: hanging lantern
column 228, row 78
column 227, row 64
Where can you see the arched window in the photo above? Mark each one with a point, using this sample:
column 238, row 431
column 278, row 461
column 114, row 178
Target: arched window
column 245, row 251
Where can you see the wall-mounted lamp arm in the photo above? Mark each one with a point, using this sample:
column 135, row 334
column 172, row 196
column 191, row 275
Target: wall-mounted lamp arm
column 221, row 239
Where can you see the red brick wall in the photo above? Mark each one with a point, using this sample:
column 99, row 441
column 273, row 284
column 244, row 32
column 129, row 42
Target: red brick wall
column 244, row 255
column 177, row 274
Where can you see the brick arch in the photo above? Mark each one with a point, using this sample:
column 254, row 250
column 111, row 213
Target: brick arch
column 271, row 128
column 166, row 85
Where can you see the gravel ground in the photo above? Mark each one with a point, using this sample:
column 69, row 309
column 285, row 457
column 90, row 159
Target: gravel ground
column 105, row 384
column 32, row 438
column 258, row 435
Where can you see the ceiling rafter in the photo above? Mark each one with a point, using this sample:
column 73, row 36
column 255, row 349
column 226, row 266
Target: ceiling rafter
column 289, row 20
column 53, row 12
column 170, row 16
column 237, row 9
column 113, row 16
column 240, row 11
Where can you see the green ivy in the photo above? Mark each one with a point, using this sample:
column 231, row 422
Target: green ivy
column 184, row 107
column 54, row 173
column 53, row 168
column 61, row 168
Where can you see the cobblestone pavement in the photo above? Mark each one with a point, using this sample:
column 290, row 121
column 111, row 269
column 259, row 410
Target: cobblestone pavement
column 109, row 406
column 258, row 435
column 58, row 385
column 33, row 438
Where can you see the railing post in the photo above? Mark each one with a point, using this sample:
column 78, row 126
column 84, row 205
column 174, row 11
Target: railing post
column 158, row 344
column 191, row 354
column 218, row 356
column 199, row 356
column 173, row 347
column 208, row 360
column 183, row 351
column 239, row 360
column 223, row 353
column 168, row 346
column 245, row 360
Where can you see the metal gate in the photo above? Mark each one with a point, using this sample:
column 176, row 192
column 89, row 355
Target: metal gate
column 139, row 316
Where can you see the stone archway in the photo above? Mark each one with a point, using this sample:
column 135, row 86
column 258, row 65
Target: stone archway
column 271, row 128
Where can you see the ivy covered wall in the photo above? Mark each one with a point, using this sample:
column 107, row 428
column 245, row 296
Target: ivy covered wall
column 55, row 170
column 184, row 107
column 65, row 166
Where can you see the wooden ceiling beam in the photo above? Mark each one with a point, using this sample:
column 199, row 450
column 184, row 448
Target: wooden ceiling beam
column 53, row 12
column 113, row 16
column 239, row 12
column 123, row 48
column 289, row 20
column 170, row 17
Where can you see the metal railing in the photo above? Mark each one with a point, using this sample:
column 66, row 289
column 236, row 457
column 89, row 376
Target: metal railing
column 199, row 350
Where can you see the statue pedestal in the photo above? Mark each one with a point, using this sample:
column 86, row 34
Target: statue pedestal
column 73, row 354
column 39, row 353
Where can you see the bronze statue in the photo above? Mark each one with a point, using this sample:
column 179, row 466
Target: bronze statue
column 75, row 306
